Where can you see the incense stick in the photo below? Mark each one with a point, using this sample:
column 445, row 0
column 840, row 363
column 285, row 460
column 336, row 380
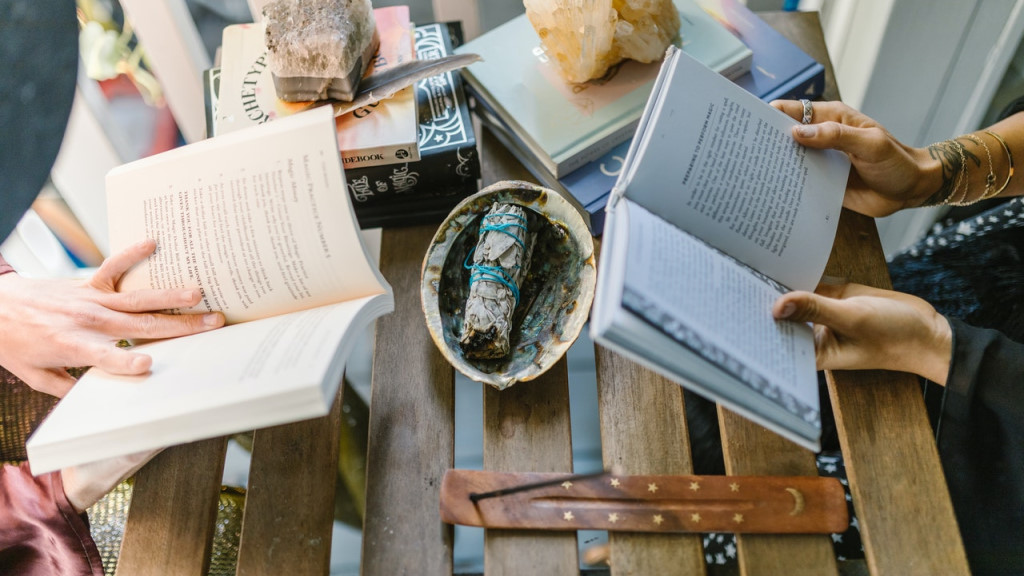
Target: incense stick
column 476, row 497
column 643, row 503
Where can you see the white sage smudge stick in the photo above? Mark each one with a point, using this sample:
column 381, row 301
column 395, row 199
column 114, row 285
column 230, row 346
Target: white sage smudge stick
column 498, row 265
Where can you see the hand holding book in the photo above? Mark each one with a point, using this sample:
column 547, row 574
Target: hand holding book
column 259, row 222
column 859, row 327
column 49, row 325
column 889, row 176
column 715, row 215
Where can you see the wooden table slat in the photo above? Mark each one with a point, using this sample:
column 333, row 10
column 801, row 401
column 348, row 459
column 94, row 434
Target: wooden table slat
column 749, row 450
column 895, row 475
column 292, row 481
column 526, row 429
column 899, row 491
column 412, row 430
column 890, row 455
column 643, row 431
column 169, row 531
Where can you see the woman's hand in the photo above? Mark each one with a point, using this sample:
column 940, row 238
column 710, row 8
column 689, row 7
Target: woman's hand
column 887, row 175
column 859, row 327
column 48, row 325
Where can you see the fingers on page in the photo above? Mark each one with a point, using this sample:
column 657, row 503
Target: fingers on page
column 115, row 266
column 151, row 300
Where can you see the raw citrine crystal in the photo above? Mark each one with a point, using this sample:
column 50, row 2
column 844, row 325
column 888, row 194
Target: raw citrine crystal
column 587, row 37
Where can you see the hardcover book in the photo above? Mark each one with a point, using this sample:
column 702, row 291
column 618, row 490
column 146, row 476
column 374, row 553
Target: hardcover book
column 567, row 125
column 410, row 193
column 717, row 213
column 259, row 221
column 780, row 70
column 449, row 165
column 382, row 133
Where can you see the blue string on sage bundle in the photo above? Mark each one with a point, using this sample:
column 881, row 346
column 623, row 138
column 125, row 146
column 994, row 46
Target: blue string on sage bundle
column 497, row 265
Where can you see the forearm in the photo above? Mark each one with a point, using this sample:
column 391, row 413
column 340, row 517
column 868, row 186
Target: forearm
column 972, row 167
column 931, row 354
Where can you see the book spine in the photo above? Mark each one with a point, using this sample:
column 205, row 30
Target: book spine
column 598, row 149
column 449, row 166
column 810, row 84
column 446, row 173
column 379, row 156
column 211, row 88
column 598, row 212
column 415, row 211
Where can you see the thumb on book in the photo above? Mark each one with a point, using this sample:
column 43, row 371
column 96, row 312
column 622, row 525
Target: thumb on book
column 802, row 306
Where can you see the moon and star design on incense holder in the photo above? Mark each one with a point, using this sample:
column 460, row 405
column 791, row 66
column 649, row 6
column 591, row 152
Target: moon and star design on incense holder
column 644, row 503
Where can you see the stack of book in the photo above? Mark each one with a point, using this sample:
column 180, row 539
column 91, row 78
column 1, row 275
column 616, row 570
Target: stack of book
column 373, row 135
column 780, row 70
column 573, row 139
column 404, row 193
column 408, row 159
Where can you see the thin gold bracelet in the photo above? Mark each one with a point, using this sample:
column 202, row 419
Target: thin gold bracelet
column 1009, row 159
column 990, row 178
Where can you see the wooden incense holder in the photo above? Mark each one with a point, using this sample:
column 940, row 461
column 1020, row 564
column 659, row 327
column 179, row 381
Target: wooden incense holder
column 742, row 504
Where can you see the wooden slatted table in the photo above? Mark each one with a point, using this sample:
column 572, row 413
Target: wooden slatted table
column 906, row 519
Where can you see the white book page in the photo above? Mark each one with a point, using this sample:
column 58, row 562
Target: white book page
column 721, row 164
column 259, row 219
column 281, row 369
column 717, row 307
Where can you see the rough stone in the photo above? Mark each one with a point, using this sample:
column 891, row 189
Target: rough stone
column 319, row 48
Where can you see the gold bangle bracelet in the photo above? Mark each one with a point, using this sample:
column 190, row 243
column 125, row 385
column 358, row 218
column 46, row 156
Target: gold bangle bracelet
column 1009, row 160
column 990, row 178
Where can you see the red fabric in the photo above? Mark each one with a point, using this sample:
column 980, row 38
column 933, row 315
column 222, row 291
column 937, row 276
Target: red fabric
column 40, row 532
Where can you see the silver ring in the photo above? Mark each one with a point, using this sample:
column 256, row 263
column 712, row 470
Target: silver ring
column 808, row 112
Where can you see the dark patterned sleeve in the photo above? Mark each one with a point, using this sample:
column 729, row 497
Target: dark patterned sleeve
column 980, row 438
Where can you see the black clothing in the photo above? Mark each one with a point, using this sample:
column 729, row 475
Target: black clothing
column 980, row 436
column 39, row 57
column 971, row 268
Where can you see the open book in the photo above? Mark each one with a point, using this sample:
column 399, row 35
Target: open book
column 717, row 213
column 261, row 221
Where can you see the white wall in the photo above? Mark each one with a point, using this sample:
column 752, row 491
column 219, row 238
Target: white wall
column 927, row 70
